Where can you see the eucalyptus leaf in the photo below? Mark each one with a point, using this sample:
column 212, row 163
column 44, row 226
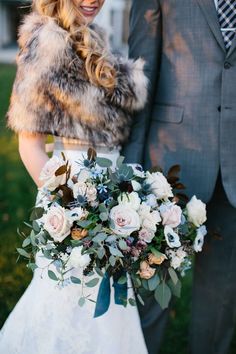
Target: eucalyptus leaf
column 23, row 253
column 163, row 295
column 100, row 237
column 101, row 253
column 140, row 299
column 81, row 301
column 112, row 261
column 84, row 223
column 26, row 242
column 75, row 280
column 132, row 302
column 175, row 288
column 122, row 280
column 99, row 272
column 123, row 245
column 92, row 283
column 115, row 252
column 104, row 216
column 153, row 282
column 102, row 208
column 52, row 275
column 37, row 213
column 36, row 226
column 173, row 275
column 32, row 266
column 103, row 162
column 120, row 161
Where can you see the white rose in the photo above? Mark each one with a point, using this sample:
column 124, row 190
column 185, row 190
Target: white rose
column 77, row 214
column 159, row 185
column 151, row 200
column 77, row 259
column 149, row 219
column 146, row 235
column 47, row 175
column 57, row 223
column 124, row 220
column 136, row 185
column 79, row 188
column 172, row 238
column 91, row 192
column 199, row 240
column 196, row 211
column 131, row 200
column 171, row 215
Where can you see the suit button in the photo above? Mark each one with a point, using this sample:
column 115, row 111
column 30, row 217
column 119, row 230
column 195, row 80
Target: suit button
column 227, row 65
column 219, row 109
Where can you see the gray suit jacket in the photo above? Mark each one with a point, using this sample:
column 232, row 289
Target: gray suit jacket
column 190, row 118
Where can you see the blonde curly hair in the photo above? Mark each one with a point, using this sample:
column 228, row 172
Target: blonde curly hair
column 87, row 43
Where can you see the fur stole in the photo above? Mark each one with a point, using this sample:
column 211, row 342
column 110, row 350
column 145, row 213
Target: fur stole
column 51, row 94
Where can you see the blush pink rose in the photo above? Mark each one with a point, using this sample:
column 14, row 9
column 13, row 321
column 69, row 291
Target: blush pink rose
column 171, row 216
column 57, row 223
column 124, row 220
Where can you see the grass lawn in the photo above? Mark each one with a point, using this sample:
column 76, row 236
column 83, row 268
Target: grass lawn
column 17, row 194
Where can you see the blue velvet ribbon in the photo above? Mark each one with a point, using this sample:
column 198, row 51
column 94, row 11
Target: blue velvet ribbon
column 104, row 294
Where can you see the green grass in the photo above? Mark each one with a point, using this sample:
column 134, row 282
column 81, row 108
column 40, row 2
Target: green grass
column 17, row 194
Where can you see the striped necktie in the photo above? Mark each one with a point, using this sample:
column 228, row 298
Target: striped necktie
column 227, row 17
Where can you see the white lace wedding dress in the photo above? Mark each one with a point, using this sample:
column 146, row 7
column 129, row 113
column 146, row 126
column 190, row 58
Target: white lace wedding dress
column 48, row 320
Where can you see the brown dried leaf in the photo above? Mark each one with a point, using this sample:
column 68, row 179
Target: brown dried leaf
column 173, row 171
column 92, row 154
column 61, row 170
column 155, row 169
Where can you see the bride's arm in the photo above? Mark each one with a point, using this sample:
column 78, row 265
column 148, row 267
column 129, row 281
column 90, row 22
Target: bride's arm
column 32, row 153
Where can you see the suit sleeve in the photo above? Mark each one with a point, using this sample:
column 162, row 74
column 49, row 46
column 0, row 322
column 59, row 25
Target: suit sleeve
column 145, row 42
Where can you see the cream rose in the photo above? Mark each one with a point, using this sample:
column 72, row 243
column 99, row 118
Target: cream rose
column 131, row 200
column 77, row 259
column 124, row 220
column 47, row 175
column 171, row 215
column 57, row 223
column 196, row 211
column 91, row 192
column 159, row 185
column 149, row 219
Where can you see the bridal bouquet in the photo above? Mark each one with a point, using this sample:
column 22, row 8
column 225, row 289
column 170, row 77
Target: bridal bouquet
column 115, row 224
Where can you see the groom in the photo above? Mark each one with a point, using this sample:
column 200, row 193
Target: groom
column 190, row 119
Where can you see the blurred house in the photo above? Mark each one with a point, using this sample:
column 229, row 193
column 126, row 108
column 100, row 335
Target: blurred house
column 114, row 17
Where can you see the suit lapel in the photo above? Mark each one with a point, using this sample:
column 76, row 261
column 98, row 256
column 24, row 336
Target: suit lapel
column 210, row 13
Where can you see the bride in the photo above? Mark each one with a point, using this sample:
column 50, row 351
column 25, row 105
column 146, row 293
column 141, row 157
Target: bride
column 70, row 86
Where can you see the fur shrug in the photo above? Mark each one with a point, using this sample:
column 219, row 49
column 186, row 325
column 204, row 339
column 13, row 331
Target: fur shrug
column 51, row 94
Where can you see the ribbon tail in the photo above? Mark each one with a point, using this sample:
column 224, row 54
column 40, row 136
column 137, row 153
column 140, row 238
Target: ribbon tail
column 121, row 292
column 104, row 295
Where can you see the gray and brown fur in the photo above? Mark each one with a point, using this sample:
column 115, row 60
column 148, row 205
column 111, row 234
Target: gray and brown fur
column 52, row 94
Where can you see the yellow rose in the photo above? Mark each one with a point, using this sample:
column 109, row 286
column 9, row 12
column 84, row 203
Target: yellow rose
column 79, row 234
column 156, row 260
